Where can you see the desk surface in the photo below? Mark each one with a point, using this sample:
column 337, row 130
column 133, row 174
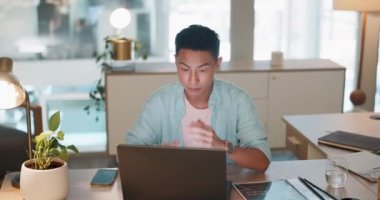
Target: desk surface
column 311, row 127
column 313, row 170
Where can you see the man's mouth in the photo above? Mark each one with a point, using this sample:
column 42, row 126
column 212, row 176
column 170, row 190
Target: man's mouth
column 194, row 89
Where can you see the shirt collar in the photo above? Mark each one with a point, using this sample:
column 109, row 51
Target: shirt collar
column 180, row 104
column 214, row 93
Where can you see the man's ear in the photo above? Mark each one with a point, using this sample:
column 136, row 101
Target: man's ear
column 219, row 63
column 175, row 57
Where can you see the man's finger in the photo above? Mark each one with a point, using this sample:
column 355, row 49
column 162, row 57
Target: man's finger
column 200, row 131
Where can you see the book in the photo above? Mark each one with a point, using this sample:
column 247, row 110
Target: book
column 285, row 189
column 364, row 164
column 351, row 141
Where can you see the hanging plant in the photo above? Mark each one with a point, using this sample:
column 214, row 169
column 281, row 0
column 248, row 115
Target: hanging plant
column 104, row 60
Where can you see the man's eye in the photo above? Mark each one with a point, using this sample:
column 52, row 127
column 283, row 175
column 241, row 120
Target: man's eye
column 203, row 70
column 185, row 69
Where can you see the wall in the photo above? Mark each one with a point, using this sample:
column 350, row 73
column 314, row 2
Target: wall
column 57, row 72
column 370, row 59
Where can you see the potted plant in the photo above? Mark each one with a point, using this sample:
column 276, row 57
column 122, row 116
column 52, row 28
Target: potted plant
column 45, row 176
column 103, row 59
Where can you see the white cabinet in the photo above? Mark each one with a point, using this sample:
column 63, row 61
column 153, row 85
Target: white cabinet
column 301, row 92
column 255, row 84
column 300, row 87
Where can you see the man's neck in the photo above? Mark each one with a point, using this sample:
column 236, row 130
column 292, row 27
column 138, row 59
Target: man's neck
column 199, row 103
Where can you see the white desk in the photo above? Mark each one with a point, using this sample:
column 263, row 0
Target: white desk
column 303, row 131
column 313, row 170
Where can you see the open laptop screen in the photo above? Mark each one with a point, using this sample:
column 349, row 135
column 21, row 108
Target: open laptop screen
column 151, row 172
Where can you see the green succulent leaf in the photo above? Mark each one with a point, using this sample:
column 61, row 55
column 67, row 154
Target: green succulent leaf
column 44, row 135
column 98, row 58
column 54, row 152
column 61, row 135
column 54, row 121
column 86, row 108
column 145, row 56
column 62, row 146
column 64, row 155
column 73, row 148
column 54, row 143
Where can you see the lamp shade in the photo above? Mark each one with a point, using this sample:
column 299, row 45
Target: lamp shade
column 120, row 18
column 11, row 91
column 357, row 5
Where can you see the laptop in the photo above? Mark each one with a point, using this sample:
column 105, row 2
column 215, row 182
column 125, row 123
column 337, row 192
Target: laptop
column 155, row 172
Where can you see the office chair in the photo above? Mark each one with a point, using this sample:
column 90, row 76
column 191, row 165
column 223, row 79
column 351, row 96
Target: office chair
column 14, row 143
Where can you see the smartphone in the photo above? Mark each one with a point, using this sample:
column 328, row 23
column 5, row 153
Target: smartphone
column 104, row 177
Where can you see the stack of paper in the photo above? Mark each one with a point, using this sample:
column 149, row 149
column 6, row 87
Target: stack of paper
column 365, row 164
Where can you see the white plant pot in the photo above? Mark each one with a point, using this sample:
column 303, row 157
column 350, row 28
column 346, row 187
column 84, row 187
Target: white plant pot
column 49, row 184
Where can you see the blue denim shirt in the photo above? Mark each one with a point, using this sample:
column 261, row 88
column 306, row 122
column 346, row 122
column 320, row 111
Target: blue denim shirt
column 234, row 117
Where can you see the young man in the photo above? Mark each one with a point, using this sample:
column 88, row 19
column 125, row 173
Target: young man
column 201, row 111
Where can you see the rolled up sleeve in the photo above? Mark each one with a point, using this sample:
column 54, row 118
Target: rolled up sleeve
column 250, row 132
column 144, row 131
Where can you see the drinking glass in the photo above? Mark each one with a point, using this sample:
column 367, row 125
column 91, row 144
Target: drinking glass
column 336, row 170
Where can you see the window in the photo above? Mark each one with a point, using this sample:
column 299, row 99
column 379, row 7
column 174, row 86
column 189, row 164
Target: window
column 304, row 29
column 62, row 29
column 183, row 13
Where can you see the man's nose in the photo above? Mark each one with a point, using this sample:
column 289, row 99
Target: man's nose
column 194, row 77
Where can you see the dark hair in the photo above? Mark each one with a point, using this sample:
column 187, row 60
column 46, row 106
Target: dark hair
column 198, row 37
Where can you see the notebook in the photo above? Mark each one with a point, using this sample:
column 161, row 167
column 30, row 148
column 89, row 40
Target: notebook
column 351, row 141
column 153, row 172
column 284, row 189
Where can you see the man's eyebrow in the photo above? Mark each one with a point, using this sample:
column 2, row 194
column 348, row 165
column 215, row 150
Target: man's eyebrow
column 199, row 66
column 204, row 65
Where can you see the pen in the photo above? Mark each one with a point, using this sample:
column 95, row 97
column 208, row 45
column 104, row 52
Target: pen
column 318, row 188
column 310, row 188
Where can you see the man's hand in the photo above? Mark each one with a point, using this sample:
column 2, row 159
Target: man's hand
column 203, row 135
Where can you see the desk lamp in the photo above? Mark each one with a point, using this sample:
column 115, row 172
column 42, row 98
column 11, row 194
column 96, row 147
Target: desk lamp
column 122, row 47
column 13, row 94
column 119, row 19
column 358, row 96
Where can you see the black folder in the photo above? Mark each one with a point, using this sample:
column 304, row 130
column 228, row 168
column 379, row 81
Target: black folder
column 351, row 141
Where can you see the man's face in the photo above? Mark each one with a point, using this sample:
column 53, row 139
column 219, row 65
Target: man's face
column 196, row 72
